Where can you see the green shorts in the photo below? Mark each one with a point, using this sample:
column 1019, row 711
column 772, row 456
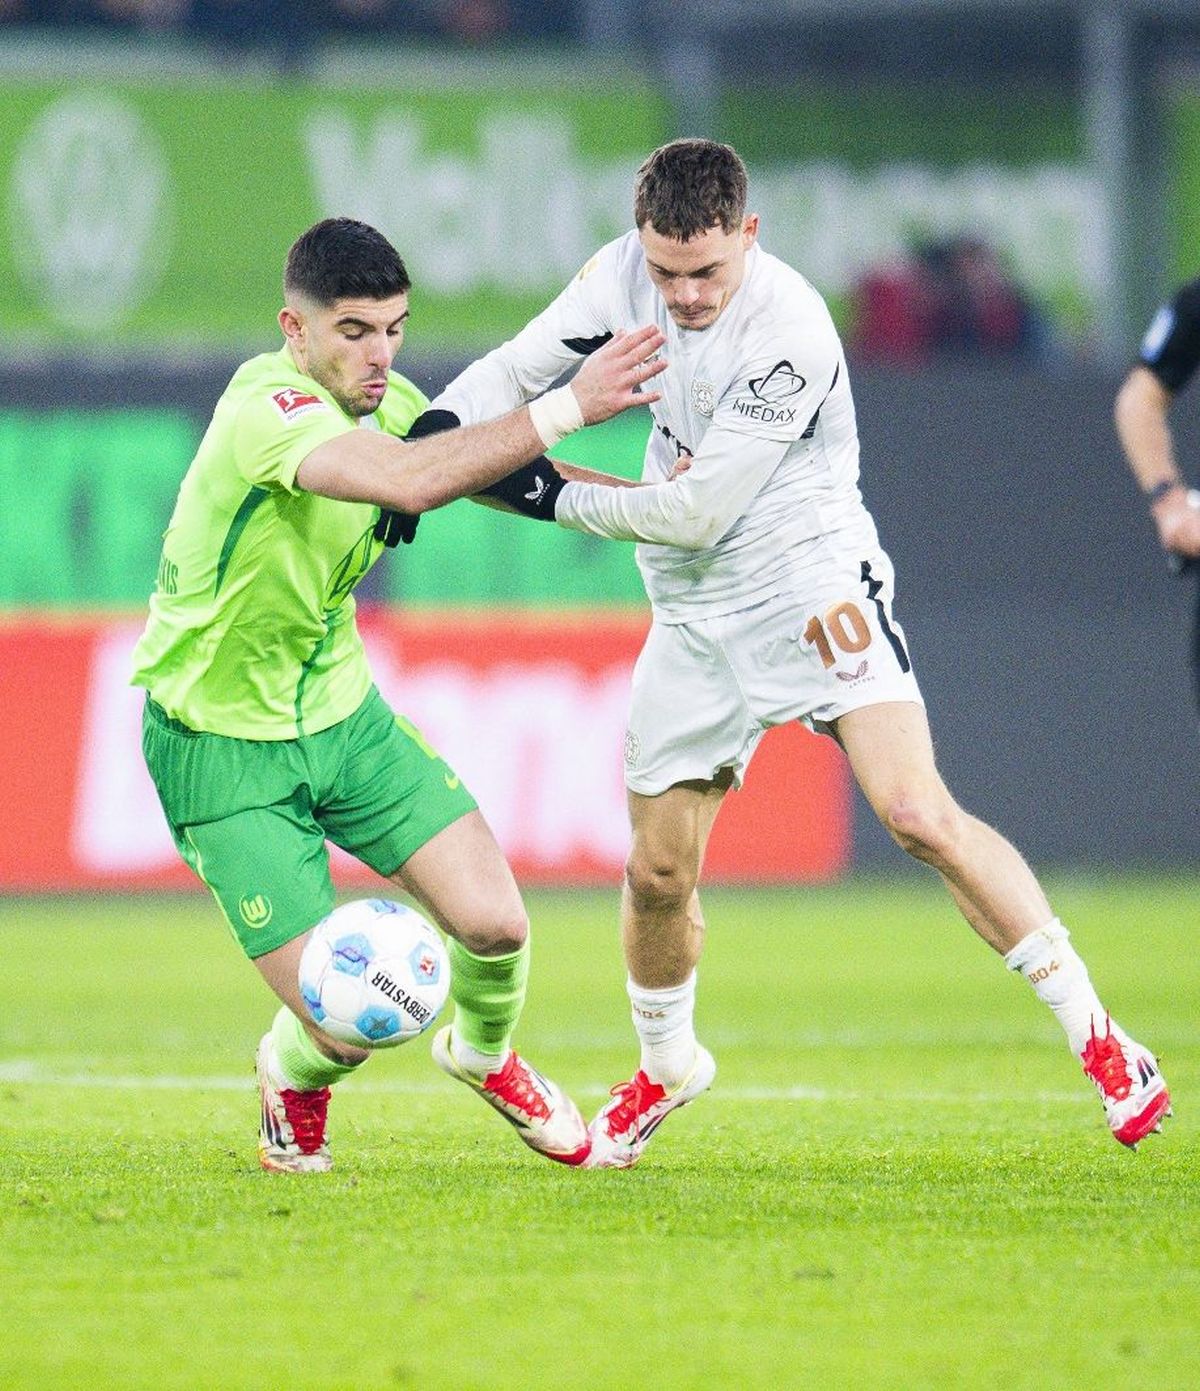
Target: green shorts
column 252, row 816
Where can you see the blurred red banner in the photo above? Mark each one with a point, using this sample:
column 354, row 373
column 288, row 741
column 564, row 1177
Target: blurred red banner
column 529, row 709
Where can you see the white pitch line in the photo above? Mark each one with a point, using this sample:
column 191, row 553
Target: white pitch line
column 30, row 1073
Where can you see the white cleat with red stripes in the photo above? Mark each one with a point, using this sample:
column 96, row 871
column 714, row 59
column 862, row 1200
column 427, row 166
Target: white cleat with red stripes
column 638, row 1107
column 291, row 1137
column 541, row 1113
column 1131, row 1087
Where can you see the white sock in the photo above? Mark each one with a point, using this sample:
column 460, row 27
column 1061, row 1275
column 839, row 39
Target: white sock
column 663, row 1020
column 1059, row 978
column 471, row 1060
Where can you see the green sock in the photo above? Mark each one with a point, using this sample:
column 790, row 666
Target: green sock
column 302, row 1063
column 488, row 994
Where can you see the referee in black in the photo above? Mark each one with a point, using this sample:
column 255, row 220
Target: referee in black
column 1169, row 355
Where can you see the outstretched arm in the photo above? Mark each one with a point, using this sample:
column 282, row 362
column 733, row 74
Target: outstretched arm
column 693, row 509
column 368, row 466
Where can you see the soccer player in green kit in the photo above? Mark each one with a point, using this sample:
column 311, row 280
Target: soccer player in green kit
column 263, row 732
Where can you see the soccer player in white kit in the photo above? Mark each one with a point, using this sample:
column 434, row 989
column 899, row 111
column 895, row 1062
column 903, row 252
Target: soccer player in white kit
column 772, row 601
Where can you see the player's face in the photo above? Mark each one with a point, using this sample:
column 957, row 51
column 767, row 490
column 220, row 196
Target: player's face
column 347, row 346
column 697, row 278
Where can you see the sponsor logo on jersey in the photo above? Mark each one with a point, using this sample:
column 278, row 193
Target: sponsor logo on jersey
column 633, row 749
column 293, row 403
column 856, row 675
column 768, row 395
column 779, row 383
column 681, row 449
column 769, row 415
column 704, row 398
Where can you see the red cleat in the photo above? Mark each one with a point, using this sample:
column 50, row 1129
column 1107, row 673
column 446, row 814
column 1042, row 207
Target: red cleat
column 638, row 1108
column 542, row 1114
column 1131, row 1087
column 291, row 1139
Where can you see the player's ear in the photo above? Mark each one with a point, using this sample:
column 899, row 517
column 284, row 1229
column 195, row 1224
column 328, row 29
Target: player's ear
column 291, row 321
column 750, row 230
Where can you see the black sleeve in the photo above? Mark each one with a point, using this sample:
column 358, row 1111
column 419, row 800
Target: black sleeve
column 394, row 527
column 530, row 490
column 1171, row 347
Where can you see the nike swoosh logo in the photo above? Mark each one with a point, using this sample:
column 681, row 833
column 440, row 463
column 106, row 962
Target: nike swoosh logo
column 451, row 781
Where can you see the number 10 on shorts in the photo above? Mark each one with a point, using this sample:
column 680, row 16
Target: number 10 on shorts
column 843, row 627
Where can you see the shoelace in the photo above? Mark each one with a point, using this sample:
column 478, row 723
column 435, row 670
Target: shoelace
column 1104, row 1062
column 514, row 1085
column 306, row 1112
column 635, row 1096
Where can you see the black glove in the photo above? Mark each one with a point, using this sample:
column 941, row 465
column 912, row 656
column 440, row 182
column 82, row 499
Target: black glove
column 394, row 527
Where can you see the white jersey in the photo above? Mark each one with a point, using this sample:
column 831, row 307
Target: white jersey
column 760, row 400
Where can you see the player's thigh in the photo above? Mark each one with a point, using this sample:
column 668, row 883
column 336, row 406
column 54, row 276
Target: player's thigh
column 240, row 813
column 890, row 751
column 391, row 791
column 268, row 869
column 670, row 830
column 463, row 879
column 688, row 718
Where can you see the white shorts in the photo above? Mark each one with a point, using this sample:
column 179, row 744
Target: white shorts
column 705, row 693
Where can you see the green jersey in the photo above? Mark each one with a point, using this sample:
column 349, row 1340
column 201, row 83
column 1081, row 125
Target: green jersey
column 251, row 631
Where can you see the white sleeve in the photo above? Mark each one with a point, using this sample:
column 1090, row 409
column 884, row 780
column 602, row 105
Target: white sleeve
column 692, row 511
column 574, row 325
column 779, row 388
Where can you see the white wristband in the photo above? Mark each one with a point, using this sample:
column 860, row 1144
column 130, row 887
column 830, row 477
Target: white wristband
column 556, row 415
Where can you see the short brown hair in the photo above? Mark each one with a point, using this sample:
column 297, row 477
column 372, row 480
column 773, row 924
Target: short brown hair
column 688, row 186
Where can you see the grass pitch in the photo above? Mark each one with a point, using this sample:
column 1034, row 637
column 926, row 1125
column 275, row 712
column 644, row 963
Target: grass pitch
column 900, row 1178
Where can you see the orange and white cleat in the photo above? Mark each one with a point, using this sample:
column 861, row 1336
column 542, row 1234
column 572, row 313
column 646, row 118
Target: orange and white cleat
column 291, row 1138
column 541, row 1113
column 1131, row 1087
column 638, row 1107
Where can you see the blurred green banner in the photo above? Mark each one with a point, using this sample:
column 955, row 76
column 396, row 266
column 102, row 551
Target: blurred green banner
column 93, row 492
column 154, row 210
column 160, row 211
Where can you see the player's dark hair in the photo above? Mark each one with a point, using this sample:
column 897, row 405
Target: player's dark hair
column 342, row 259
column 688, row 186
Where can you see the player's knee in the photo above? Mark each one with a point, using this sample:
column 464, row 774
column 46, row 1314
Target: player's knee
column 498, row 931
column 658, row 882
column 927, row 828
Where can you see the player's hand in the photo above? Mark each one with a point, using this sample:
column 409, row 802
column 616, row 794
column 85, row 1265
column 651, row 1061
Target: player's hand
column 1177, row 517
column 609, row 381
column 680, row 466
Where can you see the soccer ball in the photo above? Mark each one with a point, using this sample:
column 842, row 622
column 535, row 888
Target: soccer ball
column 374, row 973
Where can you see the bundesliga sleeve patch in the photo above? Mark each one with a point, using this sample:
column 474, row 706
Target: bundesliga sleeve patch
column 293, row 403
